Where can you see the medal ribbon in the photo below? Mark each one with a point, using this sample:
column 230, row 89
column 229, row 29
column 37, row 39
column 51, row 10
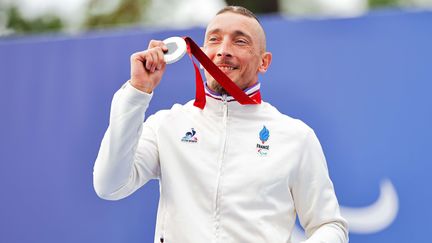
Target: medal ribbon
column 218, row 75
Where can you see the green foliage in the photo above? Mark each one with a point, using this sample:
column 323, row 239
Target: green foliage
column 130, row 12
column 383, row 3
column 127, row 12
column 18, row 24
column 257, row 6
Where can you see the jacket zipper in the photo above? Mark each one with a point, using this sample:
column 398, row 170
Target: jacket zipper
column 221, row 159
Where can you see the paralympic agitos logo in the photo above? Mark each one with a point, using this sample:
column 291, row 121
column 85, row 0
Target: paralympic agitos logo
column 370, row 219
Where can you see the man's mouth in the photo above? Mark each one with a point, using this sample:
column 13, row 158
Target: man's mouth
column 225, row 67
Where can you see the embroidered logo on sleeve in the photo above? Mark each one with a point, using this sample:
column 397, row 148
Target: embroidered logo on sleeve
column 190, row 137
column 262, row 148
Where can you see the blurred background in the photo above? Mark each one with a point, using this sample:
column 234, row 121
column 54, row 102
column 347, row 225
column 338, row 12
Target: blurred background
column 19, row 17
column 357, row 71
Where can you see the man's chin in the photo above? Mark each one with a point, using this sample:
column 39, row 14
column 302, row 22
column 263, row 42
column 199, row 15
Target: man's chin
column 217, row 88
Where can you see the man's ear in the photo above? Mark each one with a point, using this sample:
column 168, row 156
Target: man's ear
column 266, row 59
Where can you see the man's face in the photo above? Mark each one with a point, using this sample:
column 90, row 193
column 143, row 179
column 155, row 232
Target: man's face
column 235, row 43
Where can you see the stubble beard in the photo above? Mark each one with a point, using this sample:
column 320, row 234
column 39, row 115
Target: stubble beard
column 216, row 87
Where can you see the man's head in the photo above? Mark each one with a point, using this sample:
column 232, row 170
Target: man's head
column 235, row 41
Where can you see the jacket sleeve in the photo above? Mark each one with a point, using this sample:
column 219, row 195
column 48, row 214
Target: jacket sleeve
column 315, row 198
column 128, row 155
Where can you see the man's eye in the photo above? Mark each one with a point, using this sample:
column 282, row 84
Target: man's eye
column 241, row 42
column 212, row 39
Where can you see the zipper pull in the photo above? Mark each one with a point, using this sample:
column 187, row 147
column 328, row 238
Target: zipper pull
column 224, row 109
column 224, row 99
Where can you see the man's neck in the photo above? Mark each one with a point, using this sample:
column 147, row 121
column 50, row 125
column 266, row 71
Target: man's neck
column 222, row 91
column 252, row 91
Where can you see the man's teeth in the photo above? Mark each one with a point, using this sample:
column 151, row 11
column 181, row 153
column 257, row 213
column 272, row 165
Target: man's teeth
column 226, row 68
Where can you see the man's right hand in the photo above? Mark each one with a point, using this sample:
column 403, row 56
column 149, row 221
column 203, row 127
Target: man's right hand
column 147, row 67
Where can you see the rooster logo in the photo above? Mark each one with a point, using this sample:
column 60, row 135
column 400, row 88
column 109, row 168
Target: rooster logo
column 190, row 137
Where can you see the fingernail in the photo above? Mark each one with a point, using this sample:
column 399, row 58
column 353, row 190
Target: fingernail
column 159, row 67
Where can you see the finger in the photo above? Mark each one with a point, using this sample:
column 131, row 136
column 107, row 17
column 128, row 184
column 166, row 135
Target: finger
column 161, row 59
column 158, row 43
column 158, row 57
column 155, row 59
column 138, row 61
column 164, row 47
column 138, row 56
column 148, row 61
column 155, row 43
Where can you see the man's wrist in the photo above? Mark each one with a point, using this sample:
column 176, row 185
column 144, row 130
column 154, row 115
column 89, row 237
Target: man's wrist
column 143, row 88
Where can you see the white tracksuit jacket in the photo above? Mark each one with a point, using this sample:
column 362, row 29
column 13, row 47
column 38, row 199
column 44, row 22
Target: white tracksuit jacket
column 229, row 173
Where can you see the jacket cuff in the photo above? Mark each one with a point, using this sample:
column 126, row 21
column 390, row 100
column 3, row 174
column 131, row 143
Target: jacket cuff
column 134, row 95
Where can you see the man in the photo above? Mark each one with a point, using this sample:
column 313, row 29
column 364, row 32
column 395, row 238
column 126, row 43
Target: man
column 228, row 172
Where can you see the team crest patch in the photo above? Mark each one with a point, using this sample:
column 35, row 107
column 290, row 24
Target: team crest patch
column 190, row 137
column 262, row 148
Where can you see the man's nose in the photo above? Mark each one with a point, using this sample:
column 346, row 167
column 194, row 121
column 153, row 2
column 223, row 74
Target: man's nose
column 224, row 49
